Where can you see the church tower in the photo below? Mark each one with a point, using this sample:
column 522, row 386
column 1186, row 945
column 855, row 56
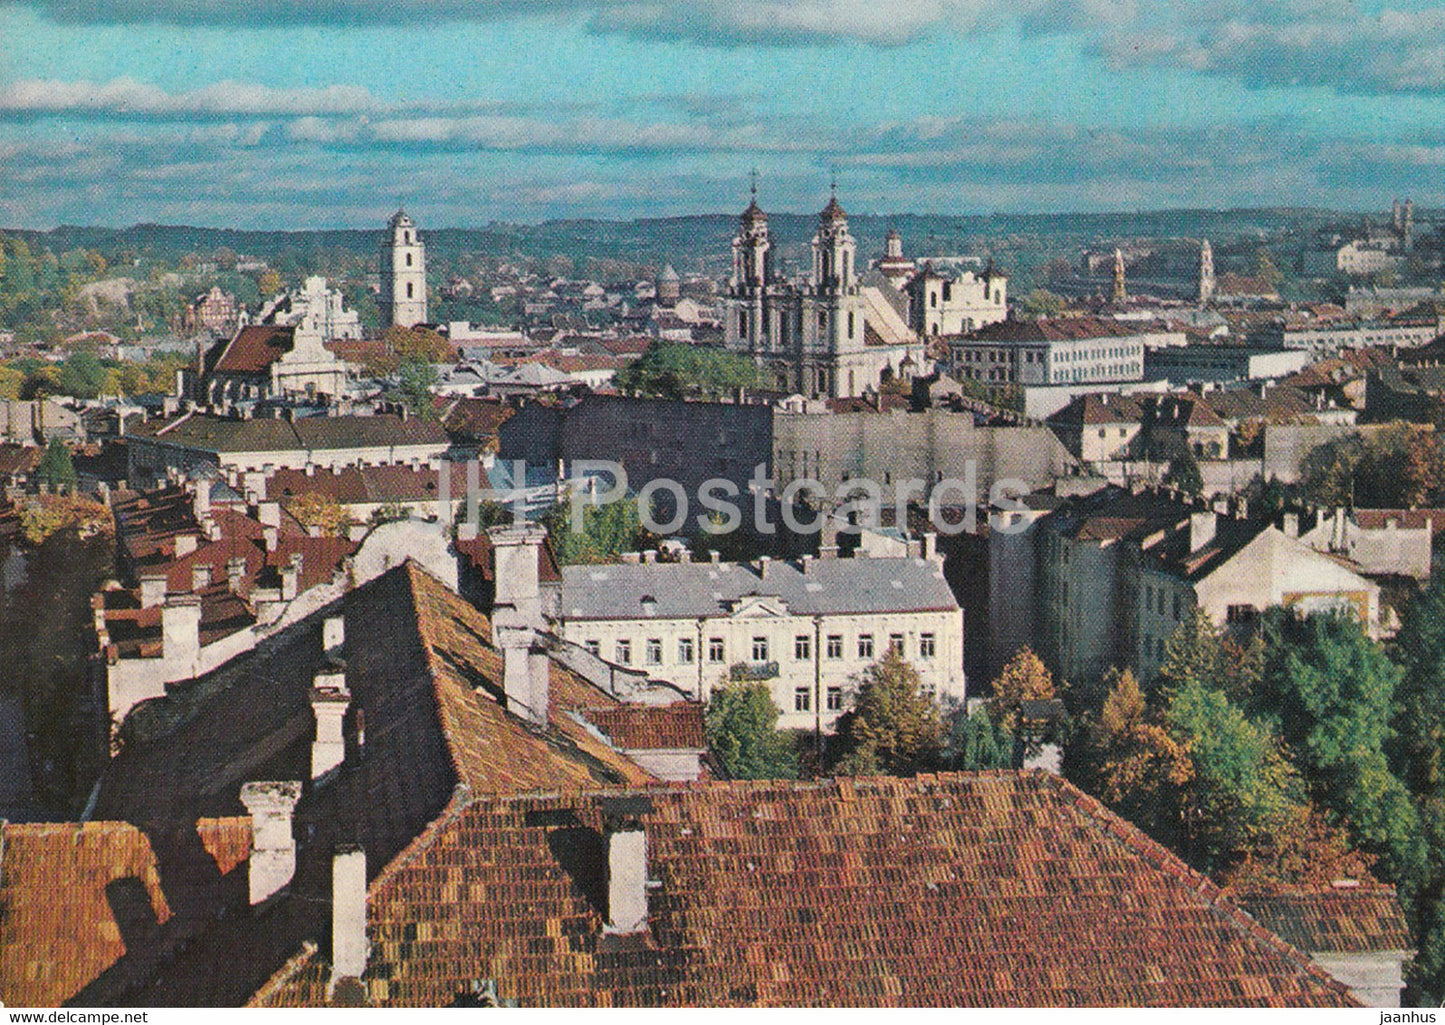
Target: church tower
column 1206, row 271
column 750, row 248
column 1121, row 294
column 403, row 274
column 834, row 252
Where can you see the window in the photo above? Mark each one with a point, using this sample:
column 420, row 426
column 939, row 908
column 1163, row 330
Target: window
column 802, row 699
column 409, row 287
column 684, row 650
column 654, row 651
column 835, row 646
column 408, row 259
column 1240, row 614
column 895, row 643
column 593, row 647
column 760, row 649
column 835, row 699
column 865, row 645
column 802, row 647
column 927, row 646
column 716, row 653
column 624, row 653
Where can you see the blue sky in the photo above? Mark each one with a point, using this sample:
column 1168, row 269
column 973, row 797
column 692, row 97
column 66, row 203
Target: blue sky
column 315, row 113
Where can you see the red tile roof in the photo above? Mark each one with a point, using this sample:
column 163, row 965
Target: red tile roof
column 254, row 349
column 1336, row 920
column 1061, row 329
column 990, row 889
column 651, row 727
column 86, row 910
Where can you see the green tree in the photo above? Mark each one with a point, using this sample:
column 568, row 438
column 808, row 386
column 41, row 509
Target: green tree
column 672, row 370
column 977, row 741
column 56, row 468
column 416, row 377
column 607, row 531
column 1329, row 691
column 82, row 376
column 742, row 733
column 1184, row 474
column 893, row 728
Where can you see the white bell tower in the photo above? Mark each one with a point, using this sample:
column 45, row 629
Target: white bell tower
column 403, row 274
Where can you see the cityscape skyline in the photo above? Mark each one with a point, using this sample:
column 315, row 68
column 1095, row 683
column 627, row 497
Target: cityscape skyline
column 332, row 114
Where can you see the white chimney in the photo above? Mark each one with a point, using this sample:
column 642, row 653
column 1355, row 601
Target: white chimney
column 235, row 572
column 329, row 701
column 186, row 544
column 181, row 633
column 202, row 504
column 1291, row 525
column 526, row 674
column 200, row 577
column 272, row 537
column 1337, row 538
column 516, row 560
column 333, row 635
column 626, row 877
column 269, row 514
column 273, row 848
column 930, row 544
column 152, row 590
column 291, row 577
column 349, row 945
column 1202, row 526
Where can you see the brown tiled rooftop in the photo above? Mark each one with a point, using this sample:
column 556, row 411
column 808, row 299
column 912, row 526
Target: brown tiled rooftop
column 651, row 727
column 1343, row 919
column 990, row 889
column 254, row 348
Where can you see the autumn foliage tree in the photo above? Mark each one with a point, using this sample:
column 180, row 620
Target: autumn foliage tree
column 322, row 513
column 894, row 728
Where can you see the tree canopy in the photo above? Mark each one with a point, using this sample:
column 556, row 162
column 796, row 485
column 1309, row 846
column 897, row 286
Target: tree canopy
column 893, row 728
column 742, row 733
column 675, row 370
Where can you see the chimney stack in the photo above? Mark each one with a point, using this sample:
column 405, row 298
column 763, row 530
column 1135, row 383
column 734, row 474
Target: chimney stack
column 235, row 572
column 763, row 562
column 186, row 544
column 329, row 701
column 200, row 577
column 516, row 561
column 272, row 536
column 930, row 544
column 1337, row 538
column 626, row 875
column 526, row 674
column 1291, row 524
column 291, row 577
column 202, row 503
column 269, row 514
column 273, row 848
column 152, row 590
column 181, row 633
column 349, row 945
column 1202, row 526
column 333, row 635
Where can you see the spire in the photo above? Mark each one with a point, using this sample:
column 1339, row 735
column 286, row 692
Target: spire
column 753, row 213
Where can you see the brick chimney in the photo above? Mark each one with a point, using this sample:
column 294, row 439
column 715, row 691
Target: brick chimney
column 273, row 848
column 329, row 701
column 349, row 945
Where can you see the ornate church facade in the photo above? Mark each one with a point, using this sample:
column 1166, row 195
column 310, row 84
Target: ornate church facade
column 827, row 334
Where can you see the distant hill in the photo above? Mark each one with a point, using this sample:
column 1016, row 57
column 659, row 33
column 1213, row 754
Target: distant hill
column 702, row 242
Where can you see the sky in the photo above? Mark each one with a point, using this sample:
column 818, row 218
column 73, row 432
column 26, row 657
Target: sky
column 331, row 113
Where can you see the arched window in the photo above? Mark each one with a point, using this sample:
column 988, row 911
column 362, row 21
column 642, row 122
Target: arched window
column 408, row 259
column 850, row 323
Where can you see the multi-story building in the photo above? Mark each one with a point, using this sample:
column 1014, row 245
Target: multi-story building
column 808, row 629
column 1066, row 350
column 827, row 334
column 1116, row 573
column 214, row 311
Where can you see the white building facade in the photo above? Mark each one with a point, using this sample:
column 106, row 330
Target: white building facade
column 807, row 629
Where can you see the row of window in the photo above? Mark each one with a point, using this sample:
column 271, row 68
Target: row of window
column 760, row 650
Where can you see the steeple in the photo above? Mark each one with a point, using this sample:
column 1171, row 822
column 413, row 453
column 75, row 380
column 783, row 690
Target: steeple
column 1206, row 271
column 834, row 251
column 1120, row 294
column 750, row 248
